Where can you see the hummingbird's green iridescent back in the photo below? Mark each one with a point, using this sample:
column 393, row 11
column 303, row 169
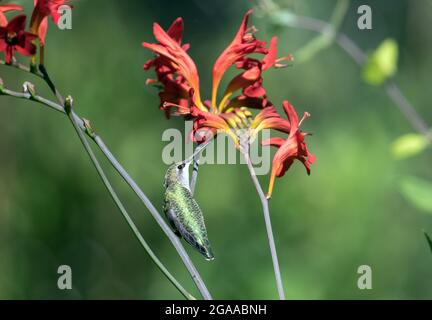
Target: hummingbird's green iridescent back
column 182, row 210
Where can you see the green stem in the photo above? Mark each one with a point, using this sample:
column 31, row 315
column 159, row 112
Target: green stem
column 80, row 128
column 163, row 225
column 325, row 39
column 122, row 209
column 267, row 220
column 153, row 211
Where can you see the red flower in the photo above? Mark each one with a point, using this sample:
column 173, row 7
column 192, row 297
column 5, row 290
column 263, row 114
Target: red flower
column 178, row 75
column 175, row 70
column 173, row 65
column 244, row 43
column 5, row 8
column 14, row 38
column 251, row 79
column 269, row 118
column 39, row 19
column 294, row 147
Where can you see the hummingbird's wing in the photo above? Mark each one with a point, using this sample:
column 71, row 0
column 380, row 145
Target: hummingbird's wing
column 170, row 216
column 171, row 219
column 185, row 214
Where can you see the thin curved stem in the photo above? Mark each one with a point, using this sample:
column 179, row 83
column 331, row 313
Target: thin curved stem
column 21, row 67
column 141, row 195
column 355, row 52
column 326, row 38
column 165, row 228
column 80, row 123
column 79, row 127
column 72, row 116
column 266, row 212
column 37, row 98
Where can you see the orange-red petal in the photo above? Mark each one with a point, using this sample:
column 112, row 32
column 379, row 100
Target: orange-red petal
column 6, row 8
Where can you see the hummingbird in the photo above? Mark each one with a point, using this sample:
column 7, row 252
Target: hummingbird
column 182, row 210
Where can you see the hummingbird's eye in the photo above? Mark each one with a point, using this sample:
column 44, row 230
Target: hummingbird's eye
column 181, row 166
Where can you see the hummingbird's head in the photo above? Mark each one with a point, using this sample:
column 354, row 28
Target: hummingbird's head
column 178, row 173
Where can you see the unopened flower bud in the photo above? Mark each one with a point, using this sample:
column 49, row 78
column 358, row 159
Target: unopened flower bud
column 89, row 129
column 29, row 87
column 68, row 104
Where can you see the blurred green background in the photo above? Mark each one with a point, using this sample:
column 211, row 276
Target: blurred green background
column 54, row 210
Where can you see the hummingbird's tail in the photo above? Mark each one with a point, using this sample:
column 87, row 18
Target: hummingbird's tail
column 206, row 251
column 208, row 254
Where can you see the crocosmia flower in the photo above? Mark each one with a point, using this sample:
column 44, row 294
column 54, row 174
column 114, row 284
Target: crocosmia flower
column 42, row 10
column 294, row 147
column 14, row 38
column 177, row 74
column 175, row 70
column 228, row 110
column 5, row 8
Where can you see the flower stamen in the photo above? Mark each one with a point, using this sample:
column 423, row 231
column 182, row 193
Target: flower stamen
column 305, row 116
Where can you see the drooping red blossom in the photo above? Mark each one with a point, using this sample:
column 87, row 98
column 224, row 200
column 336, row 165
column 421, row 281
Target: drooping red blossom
column 173, row 65
column 176, row 87
column 42, row 10
column 5, row 8
column 290, row 149
column 250, row 80
column 244, row 43
column 269, row 118
column 178, row 75
column 13, row 37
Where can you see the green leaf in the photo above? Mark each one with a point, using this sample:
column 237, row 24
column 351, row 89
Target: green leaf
column 409, row 145
column 428, row 239
column 382, row 63
column 283, row 18
column 418, row 192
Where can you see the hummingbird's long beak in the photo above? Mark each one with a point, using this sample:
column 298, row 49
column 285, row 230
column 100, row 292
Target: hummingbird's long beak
column 186, row 165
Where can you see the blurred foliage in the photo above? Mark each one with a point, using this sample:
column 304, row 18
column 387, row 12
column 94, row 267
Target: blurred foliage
column 428, row 239
column 418, row 192
column 409, row 145
column 323, row 40
column 382, row 63
column 349, row 212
